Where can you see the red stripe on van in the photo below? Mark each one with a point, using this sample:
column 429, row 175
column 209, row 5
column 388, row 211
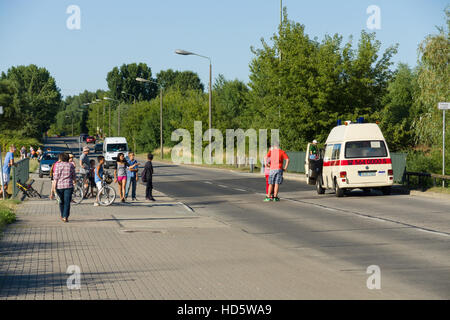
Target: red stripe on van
column 356, row 162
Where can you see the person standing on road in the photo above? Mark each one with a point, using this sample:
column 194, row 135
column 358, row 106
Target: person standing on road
column 84, row 167
column 147, row 176
column 32, row 152
column 266, row 174
column 23, row 152
column 313, row 151
column 120, row 175
column 6, row 170
column 132, row 176
column 98, row 177
column 64, row 178
column 276, row 156
column 72, row 160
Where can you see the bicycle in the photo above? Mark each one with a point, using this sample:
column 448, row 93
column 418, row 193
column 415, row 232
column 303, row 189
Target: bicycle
column 107, row 194
column 28, row 190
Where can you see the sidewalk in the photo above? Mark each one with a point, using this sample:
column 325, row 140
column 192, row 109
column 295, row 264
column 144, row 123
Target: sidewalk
column 160, row 250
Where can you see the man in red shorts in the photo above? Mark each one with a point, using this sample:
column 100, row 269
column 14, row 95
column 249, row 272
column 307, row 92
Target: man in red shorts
column 276, row 156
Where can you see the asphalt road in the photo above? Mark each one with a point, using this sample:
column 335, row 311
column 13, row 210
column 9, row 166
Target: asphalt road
column 408, row 237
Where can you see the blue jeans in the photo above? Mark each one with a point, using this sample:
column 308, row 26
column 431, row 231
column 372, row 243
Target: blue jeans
column 131, row 181
column 65, row 195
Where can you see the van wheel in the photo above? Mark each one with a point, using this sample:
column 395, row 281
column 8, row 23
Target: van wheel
column 386, row 190
column 339, row 192
column 106, row 166
column 319, row 188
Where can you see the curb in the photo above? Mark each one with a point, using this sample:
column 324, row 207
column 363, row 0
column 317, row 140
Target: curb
column 433, row 195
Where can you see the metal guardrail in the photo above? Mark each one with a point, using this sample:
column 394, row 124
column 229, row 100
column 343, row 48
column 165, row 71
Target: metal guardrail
column 423, row 175
column 20, row 172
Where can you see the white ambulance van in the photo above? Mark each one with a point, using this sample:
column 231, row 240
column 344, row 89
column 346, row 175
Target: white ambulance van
column 356, row 156
column 112, row 146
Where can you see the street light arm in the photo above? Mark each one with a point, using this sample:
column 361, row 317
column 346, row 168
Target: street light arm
column 188, row 53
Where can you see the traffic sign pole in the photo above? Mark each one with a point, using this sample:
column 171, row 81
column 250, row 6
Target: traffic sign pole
column 443, row 106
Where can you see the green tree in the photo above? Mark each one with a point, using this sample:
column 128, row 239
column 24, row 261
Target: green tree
column 230, row 103
column 181, row 80
column 397, row 115
column 433, row 83
column 35, row 100
column 302, row 86
column 124, row 79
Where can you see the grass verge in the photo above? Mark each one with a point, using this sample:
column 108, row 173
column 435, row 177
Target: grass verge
column 439, row 190
column 34, row 165
column 7, row 214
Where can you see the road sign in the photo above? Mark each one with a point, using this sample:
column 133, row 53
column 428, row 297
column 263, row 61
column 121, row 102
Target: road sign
column 444, row 105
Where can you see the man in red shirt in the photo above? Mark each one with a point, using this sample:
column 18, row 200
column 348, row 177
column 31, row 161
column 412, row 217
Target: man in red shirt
column 277, row 157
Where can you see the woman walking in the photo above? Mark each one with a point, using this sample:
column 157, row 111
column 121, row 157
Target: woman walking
column 64, row 178
column 120, row 175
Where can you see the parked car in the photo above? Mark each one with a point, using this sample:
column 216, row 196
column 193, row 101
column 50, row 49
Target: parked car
column 90, row 139
column 98, row 147
column 48, row 159
column 83, row 137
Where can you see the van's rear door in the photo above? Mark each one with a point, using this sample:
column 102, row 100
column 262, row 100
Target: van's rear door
column 366, row 162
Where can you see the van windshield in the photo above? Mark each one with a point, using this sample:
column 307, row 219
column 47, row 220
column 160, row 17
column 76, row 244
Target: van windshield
column 116, row 147
column 365, row 149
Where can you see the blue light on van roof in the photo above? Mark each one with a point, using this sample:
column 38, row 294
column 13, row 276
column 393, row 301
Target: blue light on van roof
column 339, row 122
column 360, row 120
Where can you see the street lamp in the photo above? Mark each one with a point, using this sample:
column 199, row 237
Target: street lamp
column 188, row 53
column 129, row 94
column 98, row 109
column 160, row 112
column 118, row 116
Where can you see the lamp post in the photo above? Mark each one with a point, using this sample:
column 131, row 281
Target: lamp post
column 188, row 53
column 160, row 112
column 129, row 94
column 118, row 116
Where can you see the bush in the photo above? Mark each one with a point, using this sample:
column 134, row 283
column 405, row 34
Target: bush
column 7, row 214
column 429, row 162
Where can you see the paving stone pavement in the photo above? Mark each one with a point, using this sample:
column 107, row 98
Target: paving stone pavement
column 158, row 250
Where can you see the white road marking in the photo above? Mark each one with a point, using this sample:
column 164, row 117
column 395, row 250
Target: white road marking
column 221, row 185
column 240, row 189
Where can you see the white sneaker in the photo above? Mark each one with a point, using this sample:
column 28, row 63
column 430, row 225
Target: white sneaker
column 96, row 204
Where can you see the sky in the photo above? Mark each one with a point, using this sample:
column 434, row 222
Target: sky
column 115, row 32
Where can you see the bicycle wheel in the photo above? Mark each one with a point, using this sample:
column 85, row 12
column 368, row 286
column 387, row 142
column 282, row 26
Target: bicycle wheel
column 77, row 195
column 34, row 193
column 106, row 196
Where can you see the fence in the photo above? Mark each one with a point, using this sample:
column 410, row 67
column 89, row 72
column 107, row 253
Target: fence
column 422, row 178
column 21, row 173
column 297, row 163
